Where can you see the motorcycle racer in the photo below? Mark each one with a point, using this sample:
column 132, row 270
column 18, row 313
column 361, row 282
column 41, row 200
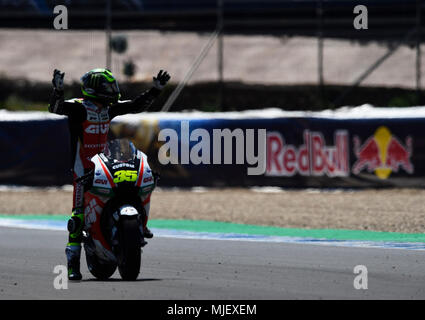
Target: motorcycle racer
column 89, row 119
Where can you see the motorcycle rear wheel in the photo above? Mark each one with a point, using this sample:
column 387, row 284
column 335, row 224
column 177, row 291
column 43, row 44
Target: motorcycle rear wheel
column 100, row 270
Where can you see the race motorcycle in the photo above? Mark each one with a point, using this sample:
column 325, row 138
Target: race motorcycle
column 115, row 194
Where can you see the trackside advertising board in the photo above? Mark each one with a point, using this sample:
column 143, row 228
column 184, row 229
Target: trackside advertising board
column 347, row 153
column 261, row 148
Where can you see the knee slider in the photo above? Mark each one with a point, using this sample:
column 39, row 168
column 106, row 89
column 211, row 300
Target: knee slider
column 74, row 224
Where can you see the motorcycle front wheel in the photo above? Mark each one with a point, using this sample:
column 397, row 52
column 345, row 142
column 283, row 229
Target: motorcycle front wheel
column 130, row 249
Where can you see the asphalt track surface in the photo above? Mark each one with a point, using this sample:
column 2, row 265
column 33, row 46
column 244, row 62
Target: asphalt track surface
column 213, row 269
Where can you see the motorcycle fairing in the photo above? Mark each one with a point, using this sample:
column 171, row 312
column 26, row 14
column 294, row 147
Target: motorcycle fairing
column 145, row 181
column 93, row 208
column 102, row 180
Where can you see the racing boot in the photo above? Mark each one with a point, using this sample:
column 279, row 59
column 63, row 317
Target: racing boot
column 73, row 254
column 147, row 233
column 73, row 248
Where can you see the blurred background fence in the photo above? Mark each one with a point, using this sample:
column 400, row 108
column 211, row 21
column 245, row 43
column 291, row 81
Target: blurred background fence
column 230, row 54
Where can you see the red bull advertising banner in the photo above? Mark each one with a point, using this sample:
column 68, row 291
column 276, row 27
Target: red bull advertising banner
column 288, row 152
column 380, row 154
column 306, row 152
column 348, row 153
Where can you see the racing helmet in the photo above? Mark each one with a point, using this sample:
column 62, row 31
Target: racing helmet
column 99, row 84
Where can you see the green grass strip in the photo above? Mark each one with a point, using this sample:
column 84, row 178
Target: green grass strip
column 335, row 234
column 227, row 227
column 55, row 217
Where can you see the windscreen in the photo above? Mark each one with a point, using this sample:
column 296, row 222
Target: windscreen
column 120, row 150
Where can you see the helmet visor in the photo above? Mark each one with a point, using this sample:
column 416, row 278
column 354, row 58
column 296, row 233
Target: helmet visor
column 110, row 88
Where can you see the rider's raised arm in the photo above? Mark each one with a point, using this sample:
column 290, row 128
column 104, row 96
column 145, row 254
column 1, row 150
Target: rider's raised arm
column 143, row 101
column 139, row 104
column 58, row 105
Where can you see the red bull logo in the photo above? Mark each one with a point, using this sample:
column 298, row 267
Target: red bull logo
column 313, row 158
column 382, row 154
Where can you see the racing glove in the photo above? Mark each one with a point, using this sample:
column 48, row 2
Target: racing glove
column 57, row 96
column 57, row 80
column 161, row 79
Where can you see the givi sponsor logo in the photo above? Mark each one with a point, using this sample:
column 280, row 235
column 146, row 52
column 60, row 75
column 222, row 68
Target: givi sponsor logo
column 312, row 158
column 97, row 128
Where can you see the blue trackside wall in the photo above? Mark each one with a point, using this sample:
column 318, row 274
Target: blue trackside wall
column 35, row 153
